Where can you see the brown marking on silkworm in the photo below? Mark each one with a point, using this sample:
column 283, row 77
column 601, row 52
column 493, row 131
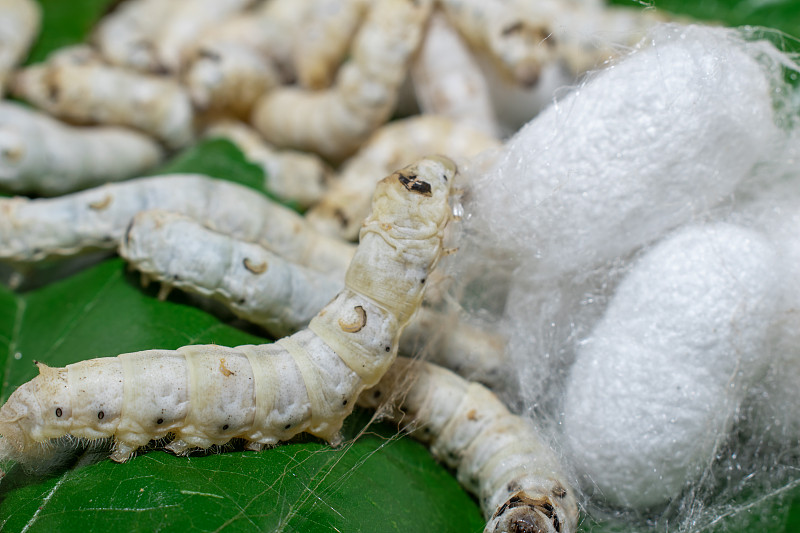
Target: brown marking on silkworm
column 13, row 155
column 412, row 183
column 341, row 217
column 255, row 268
column 355, row 327
column 385, row 226
column 514, row 27
column 472, row 415
column 528, row 523
column 99, row 205
column 559, row 491
column 205, row 53
column 224, row 369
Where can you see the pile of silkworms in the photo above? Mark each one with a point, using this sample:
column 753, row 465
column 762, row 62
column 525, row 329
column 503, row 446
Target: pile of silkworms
column 343, row 104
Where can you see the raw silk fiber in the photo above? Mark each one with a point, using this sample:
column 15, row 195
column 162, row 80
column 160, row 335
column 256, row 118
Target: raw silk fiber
column 625, row 243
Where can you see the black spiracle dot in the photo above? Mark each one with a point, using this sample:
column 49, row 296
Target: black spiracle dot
column 226, row 426
column 376, row 394
column 101, row 415
column 287, row 426
column 388, row 348
column 344, row 402
column 160, row 421
column 59, row 412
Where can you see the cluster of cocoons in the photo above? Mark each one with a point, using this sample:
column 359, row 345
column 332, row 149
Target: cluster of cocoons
column 640, row 273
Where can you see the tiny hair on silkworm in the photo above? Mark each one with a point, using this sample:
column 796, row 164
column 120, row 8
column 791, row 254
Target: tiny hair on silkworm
column 32, row 230
column 498, row 456
column 41, row 155
column 333, row 122
column 307, row 382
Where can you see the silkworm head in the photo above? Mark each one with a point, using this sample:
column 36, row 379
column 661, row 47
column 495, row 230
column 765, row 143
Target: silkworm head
column 523, row 514
column 413, row 196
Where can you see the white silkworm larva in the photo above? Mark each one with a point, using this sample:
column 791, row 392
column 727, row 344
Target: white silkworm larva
column 519, row 43
column 323, row 40
column 206, row 395
column 33, row 230
column 126, row 37
column 19, row 26
column 176, row 36
column 229, row 78
column 39, row 154
column 294, row 176
column 334, row 122
column 469, row 350
column 253, row 282
column 243, row 57
column 448, row 80
column 95, row 93
column 346, row 204
column 498, row 456
column 524, row 37
column 280, row 296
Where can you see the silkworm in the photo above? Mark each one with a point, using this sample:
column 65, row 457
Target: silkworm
column 19, row 26
column 523, row 38
column 243, row 57
column 470, row 350
column 322, row 40
column 519, row 43
column 282, row 297
column 228, row 78
column 253, row 282
column 308, row 382
column 293, row 176
column 126, row 36
column 498, row 456
column 33, row 230
column 448, row 80
column 335, row 121
column 96, row 93
column 41, row 155
column 654, row 387
column 346, row 204
column 187, row 19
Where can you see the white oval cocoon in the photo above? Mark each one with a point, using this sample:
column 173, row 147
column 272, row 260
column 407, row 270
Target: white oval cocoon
column 639, row 149
column 654, row 387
